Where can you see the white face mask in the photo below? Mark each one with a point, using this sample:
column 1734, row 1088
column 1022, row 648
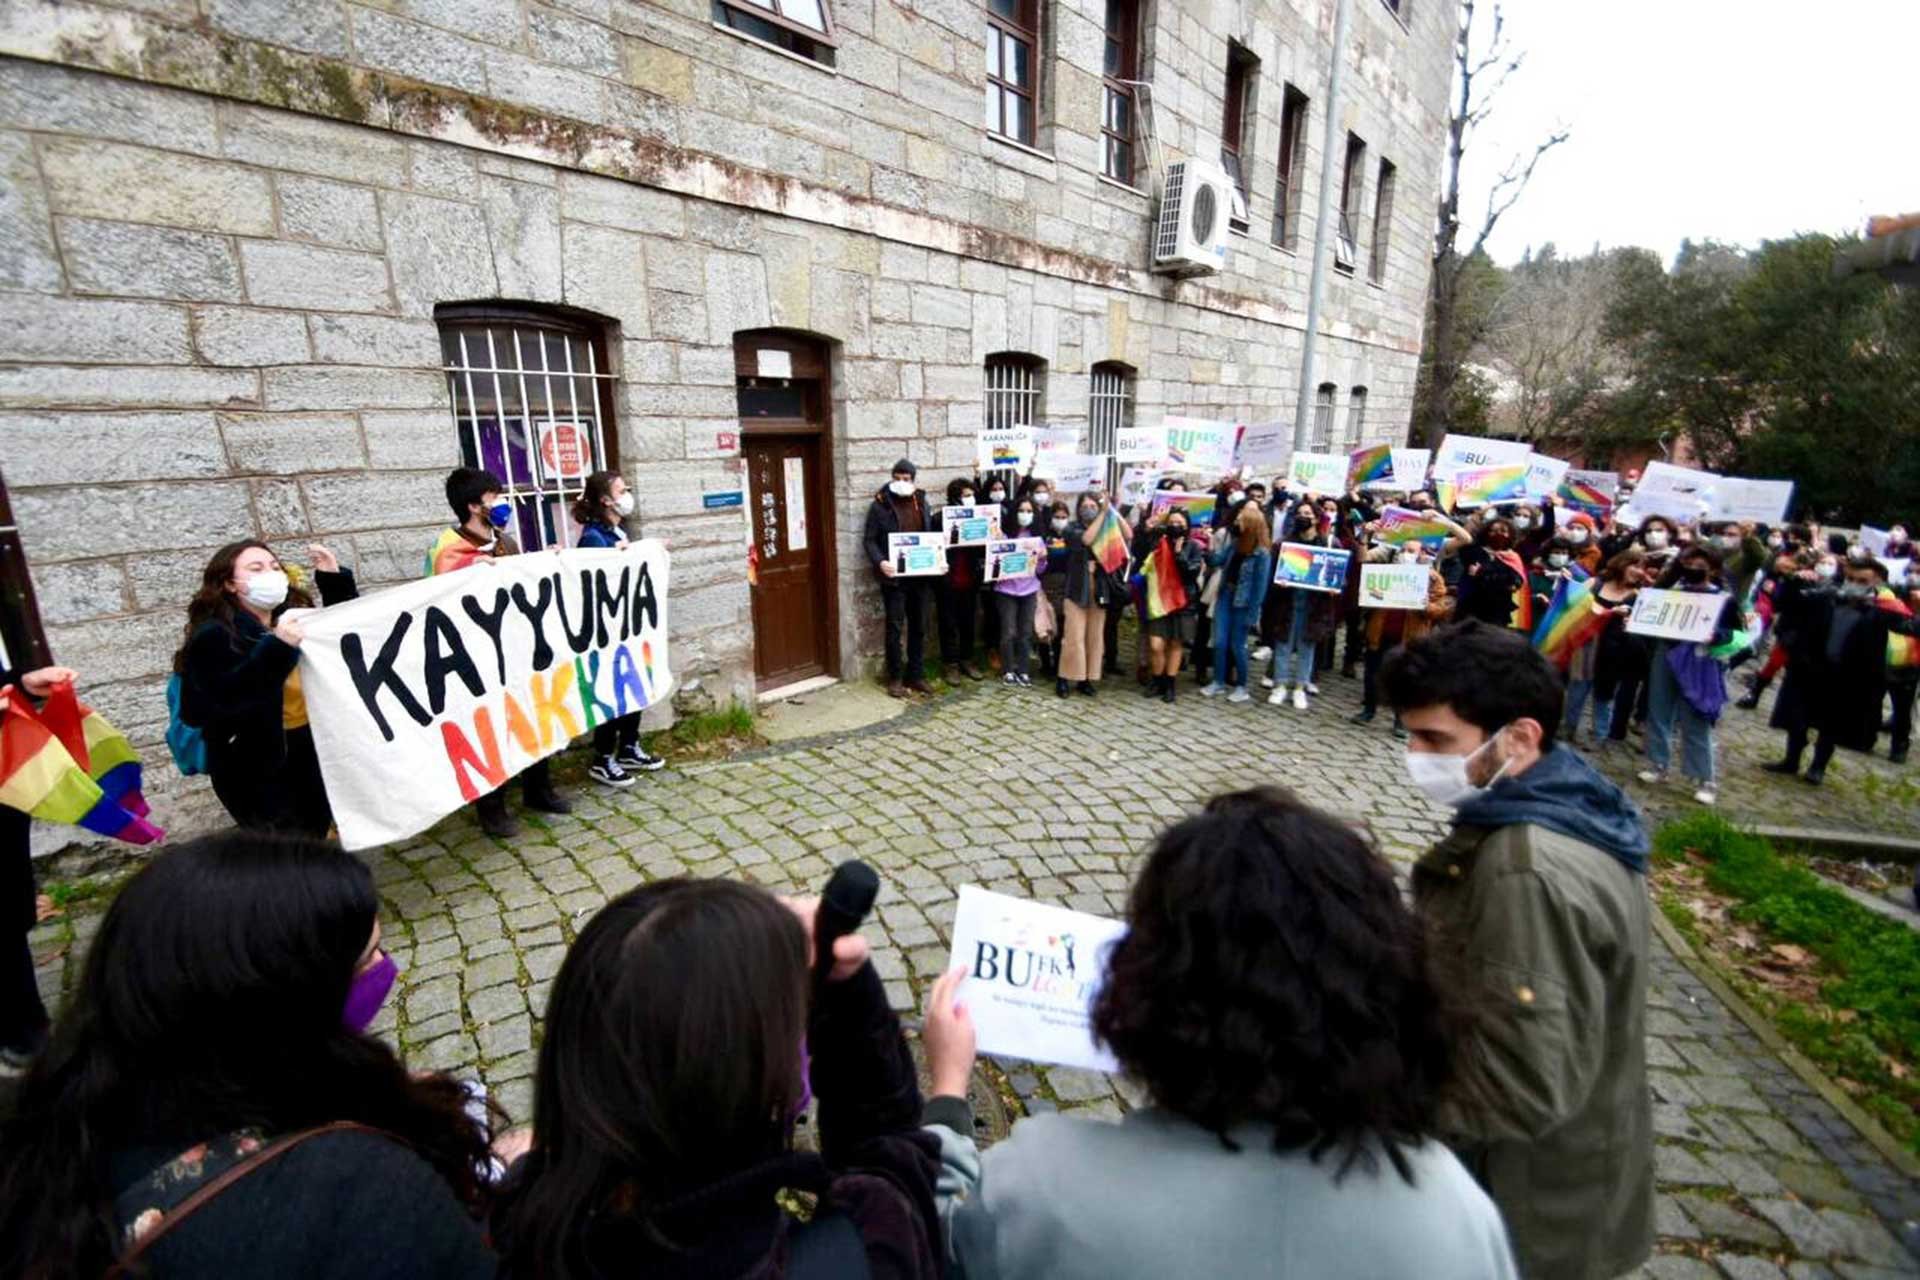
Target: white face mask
column 1825, row 570
column 1235, row 499
column 1576, row 535
column 266, row 589
column 1023, row 518
column 1446, row 779
column 1041, row 495
column 1656, row 539
column 1557, row 561
column 996, row 495
column 900, row 488
column 1406, row 557
column 1060, row 524
column 624, row 504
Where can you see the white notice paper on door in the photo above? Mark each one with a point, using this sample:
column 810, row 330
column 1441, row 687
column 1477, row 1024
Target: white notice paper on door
column 796, row 503
column 773, row 364
column 1032, row 972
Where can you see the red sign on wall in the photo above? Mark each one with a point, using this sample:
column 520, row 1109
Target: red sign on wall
column 565, row 449
column 726, row 441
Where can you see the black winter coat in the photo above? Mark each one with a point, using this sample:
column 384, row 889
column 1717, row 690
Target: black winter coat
column 1835, row 681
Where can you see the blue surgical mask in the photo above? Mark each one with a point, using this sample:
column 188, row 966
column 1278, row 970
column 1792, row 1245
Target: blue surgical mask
column 499, row 513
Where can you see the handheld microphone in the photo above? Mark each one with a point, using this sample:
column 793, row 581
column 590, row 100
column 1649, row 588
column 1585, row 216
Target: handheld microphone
column 844, row 903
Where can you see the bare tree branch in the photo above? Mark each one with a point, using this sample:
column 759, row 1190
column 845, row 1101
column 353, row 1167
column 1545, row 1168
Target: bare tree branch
column 1513, row 183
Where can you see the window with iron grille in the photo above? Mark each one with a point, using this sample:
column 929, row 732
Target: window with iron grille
column 1109, row 411
column 803, row 27
column 533, row 404
column 1118, row 104
column 1323, row 416
column 1293, row 168
column 1013, row 67
column 1236, row 124
column 1382, row 224
column 1356, row 416
column 1346, row 249
column 1012, row 390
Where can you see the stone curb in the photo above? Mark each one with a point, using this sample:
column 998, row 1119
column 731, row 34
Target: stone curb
column 1836, row 1097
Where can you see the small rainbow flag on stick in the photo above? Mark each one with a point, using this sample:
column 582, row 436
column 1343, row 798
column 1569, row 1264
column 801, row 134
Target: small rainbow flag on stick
column 1902, row 651
column 1369, row 464
column 1165, row 592
column 1109, row 547
column 66, row 764
column 1570, row 622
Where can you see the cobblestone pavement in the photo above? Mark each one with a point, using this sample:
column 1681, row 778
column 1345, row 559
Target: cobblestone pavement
column 1028, row 794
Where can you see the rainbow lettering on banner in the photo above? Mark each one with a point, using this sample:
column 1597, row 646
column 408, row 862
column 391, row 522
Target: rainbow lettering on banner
column 66, row 764
column 1569, row 623
column 1484, row 485
column 1400, row 525
column 1371, row 464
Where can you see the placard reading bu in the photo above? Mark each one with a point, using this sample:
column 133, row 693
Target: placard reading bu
column 1032, row 971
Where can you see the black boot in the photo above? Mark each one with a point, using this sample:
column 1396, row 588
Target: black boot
column 1086, row 688
column 1789, row 766
column 546, row 800
column 1060, row 686
column 1752, row 699
column 1152, row 687
column 491, row 809
column 1898, row 755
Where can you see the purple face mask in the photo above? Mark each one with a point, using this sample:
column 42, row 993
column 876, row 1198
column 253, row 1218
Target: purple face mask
column 368, row 993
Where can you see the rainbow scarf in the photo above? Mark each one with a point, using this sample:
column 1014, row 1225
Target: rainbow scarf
column 451, row 550
column 1165, row 592
column 1109, row 548
column 1569, row 622
column 66, row 764
column 1903, row 652
column 1369, row 464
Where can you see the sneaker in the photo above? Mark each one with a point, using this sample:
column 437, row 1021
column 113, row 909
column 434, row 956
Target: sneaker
column 972, row 672
column 896, row 690
column 1815, row 776
column 607, row 771
column 1261, row 653
column 1399, row 731
column 919, row 686
column 1361, row 717
column 1278, row 698
column 1300, row 698
column 1653, row 777
column 1705, row 795
column 1240, row 694
column 1313, row 689
column 636, row 759
column 1212, row 690
column 1266, row 682
column 1026, row 681
column 1011, row 680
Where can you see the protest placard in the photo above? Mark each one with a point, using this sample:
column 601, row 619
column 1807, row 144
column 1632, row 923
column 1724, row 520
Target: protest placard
column 1032, row 973
column 1590, row 491
column 970, row 526
column 1009, row 558
column 1311, row 567
column 1677, row 493
column 455, row 683
column 1370, row 467
column 1052, row 439
column 1394, row 586
column 1874, row 540
column 1199, row 446
column 917, row 555
column 1761, row 501
column 1072, row 472
column 1136, row 483
column 1318, row 472
column 1403, row 524
column 1466, row 453
column 1140, row 444
column 1676, row 615
column 1486, row 486
column 1004, row 448
column 1198, row 506
column 1410, row 468
column 1544, row 475
column 1265, row 445
column 1897, row 569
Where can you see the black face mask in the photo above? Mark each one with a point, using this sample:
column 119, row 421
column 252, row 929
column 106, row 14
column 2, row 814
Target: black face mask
column 1176, row 531
column 1694, row 574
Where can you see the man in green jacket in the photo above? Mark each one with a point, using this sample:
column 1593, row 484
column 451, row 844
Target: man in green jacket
column 1540, row 894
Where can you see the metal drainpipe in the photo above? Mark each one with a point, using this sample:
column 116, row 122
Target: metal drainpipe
column 1322, row 245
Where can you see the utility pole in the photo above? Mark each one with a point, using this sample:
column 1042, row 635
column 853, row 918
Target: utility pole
column 1322, row 244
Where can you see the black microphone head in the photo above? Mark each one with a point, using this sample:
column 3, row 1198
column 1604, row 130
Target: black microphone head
column 852, row 889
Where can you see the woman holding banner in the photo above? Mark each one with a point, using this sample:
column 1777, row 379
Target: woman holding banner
column 617, row 754
column 240, row 685
column 1686, row 685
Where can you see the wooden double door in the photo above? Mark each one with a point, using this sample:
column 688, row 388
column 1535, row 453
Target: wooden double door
column 785, row 434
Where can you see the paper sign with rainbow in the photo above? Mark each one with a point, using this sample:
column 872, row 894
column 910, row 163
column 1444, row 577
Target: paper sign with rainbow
column 1403, row 524
column 1590, row 491
column 1311, row 568
column 1483, row 485
column 1370, row 465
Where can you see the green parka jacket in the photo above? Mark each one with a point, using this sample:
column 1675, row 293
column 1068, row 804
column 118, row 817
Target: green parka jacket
column 1553, row 1115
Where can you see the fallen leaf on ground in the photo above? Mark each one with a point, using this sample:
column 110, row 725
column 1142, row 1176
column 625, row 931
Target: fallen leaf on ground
column 44, row 910
column 1790, row 953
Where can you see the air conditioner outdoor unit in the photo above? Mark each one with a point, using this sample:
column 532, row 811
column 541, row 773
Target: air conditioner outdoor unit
column 1191, row 236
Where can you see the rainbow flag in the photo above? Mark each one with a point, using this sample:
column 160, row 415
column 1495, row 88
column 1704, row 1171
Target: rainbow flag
column 68, row 765
column 1589, row 498
column 451, row 551
column 1569, row 622
column 1369, row 464
column 1109, row 547
column 1165, row 592
column 1403, row 524
column 1902, row 651
column 1483, row 485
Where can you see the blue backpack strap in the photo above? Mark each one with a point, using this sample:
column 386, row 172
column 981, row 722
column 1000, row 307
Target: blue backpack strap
column 828, row 1248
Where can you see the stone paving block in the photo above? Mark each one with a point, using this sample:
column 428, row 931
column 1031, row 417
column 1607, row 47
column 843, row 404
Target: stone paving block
column 1743, row 1173
column 1818, row 1184
column 1731, row 1092
column 1721, row 1220
column 1746, row 1267
column 1675, row 1266
column 433, row 997
column 1805, row 1231
column 1809, row 1271
column 1670, row 1221
column 1865, row 1240
column 1073, row 1084
column 1867, row 1271
column 496, row 1004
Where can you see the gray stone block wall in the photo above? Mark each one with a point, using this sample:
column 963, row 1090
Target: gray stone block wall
column 222, row 242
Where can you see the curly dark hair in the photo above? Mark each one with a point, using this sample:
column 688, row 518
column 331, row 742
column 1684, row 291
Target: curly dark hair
column 1271, row 972
column 1489, row 675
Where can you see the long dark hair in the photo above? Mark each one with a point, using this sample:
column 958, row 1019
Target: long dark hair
column 596, row 495
column 212, row 602
column 671, row 1062
column 211, row 1002
column 1272, row 973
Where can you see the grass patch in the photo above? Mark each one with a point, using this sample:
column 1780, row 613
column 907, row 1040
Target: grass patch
column 710, row 733
column 1839, row 980
column 71, row 893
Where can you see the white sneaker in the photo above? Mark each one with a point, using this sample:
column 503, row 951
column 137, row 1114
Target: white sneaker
column 1299, row 699
column 1212, row 690
column 1240, row 694
column 1314, row 689
column 1653, row 776
column 1261, row 653
column 608, row 772
column 1706, row 795
column 1266, row 682
column 1278, row 698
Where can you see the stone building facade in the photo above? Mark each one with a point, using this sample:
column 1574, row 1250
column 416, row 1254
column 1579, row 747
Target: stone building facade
column 269, row 268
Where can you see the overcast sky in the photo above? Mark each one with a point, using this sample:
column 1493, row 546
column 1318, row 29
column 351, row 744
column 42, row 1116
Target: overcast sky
column 1702, row 118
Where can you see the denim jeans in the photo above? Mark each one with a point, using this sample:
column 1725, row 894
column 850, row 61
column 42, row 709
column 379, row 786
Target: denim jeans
column 1578, row 692
column 1230, row 627
column 1668, row 710
column 1016, row 629
column 1296, row 649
